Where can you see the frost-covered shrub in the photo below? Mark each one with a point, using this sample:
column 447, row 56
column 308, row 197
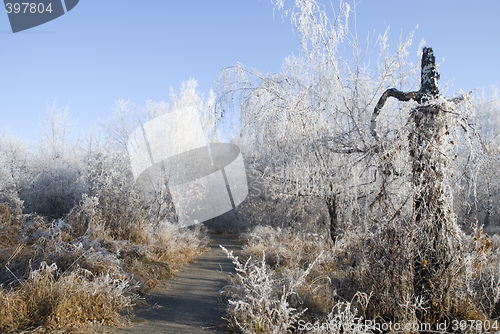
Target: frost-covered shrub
column 10, row 225
column 112, row 199
column 54, row 185
column 343, row 318
column 383, row 264
column 477, row 193
column 273, row 261
column 260, row 300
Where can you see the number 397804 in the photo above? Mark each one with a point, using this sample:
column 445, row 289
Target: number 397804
column 27, row 8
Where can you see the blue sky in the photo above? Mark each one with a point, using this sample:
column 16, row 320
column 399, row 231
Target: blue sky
column 105, row 50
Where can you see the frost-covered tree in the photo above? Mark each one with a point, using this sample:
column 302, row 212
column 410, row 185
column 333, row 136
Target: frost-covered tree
column 54, row 185
column 189, row 96
column 119, row 126
column 57, row 130
column 128, row 117
column 14, row 160
column 306, row 130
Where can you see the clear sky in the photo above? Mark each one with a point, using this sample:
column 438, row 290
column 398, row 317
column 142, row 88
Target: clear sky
column 104, row 50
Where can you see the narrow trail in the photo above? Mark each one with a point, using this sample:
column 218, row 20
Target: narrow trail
column 188, row 303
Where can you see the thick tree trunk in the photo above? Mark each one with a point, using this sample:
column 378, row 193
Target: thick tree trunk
column 432, row 212
column 425, row 143
column 431, row 207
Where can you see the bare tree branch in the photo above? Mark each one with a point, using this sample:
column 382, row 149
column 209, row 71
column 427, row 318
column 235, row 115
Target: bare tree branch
column 462, row 97
column 391, row 92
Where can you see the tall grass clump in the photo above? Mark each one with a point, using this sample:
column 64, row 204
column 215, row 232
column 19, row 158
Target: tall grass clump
column 284, row 247
column 55, row 300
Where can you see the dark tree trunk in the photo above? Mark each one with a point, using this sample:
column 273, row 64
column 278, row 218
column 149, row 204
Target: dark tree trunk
column 425, row 142
column 429, row 75
column 332, row 205
column 489, row 206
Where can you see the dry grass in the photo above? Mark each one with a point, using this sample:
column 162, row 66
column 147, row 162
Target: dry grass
column 93, row 277
column 13, row 311
column 53, row 301
column 283, row 247
column 169, row 249
column 9, row 225
column 365, row 275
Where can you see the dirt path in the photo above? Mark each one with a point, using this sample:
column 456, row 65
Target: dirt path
column 189, row 303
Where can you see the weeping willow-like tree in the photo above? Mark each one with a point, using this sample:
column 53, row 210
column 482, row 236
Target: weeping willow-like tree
column 306, row 130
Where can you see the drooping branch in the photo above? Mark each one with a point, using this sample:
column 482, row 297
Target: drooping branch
column 391, row 92
column 428, row 89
